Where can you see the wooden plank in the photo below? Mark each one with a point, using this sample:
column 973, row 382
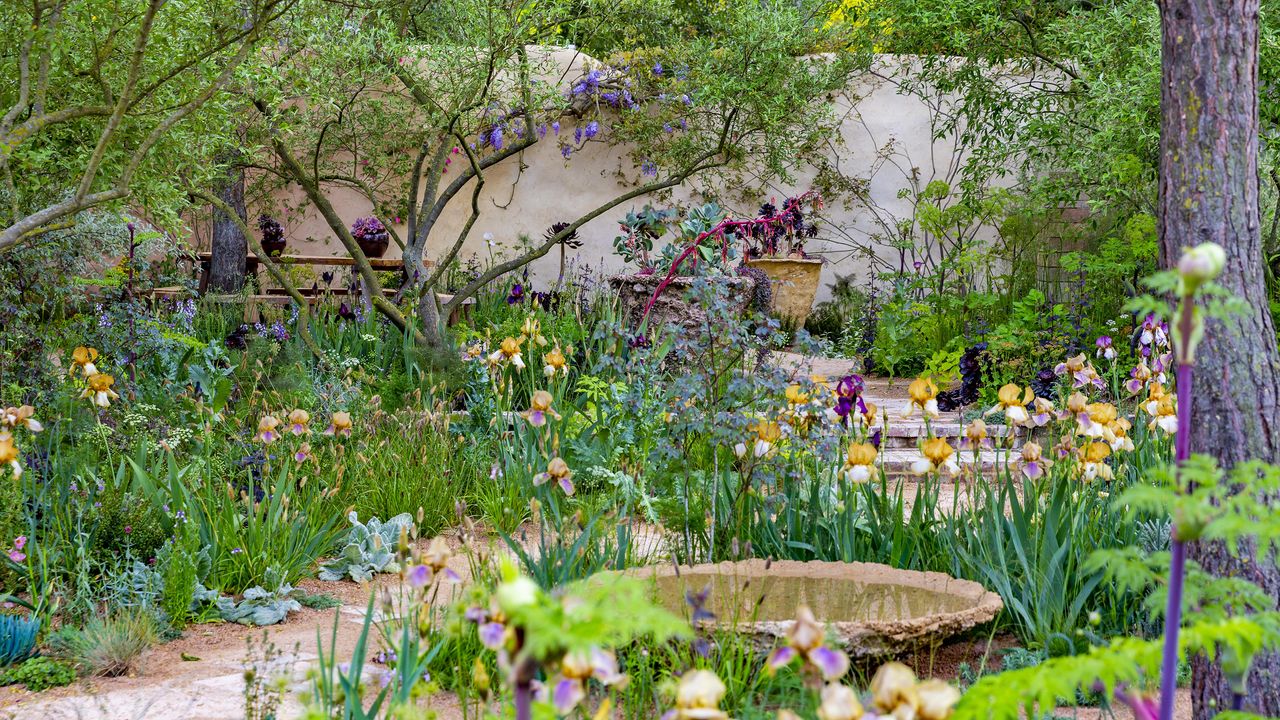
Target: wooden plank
column 335, row 260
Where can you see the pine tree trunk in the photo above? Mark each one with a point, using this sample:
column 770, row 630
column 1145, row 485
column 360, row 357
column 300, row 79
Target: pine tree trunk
column 1209, row 192
column 230, row 247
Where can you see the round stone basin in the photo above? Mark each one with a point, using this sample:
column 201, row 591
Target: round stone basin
column 873, row 609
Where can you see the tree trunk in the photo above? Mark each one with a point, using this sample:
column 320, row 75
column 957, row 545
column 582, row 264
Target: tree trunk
column 230, row 247
column 1209, row 192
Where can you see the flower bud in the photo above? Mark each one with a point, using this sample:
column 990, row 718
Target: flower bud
column 515, row 594
column 1201, row 264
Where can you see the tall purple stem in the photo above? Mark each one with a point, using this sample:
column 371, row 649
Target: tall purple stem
column 1178, row 550
column 524, row 701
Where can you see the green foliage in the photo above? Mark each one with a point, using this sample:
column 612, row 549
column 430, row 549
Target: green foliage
column 17, row 638
column 260, row 607
column 607, row 611
column 1205, row 504
column 317, row 601
column 250, row 542
column 1122, row 662
column 107, row 646
column 439, row 467
column 369, row 548
column 39, row 674
column 179, row 564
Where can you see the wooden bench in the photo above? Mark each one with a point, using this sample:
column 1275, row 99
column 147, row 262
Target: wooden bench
column 251, row 261
column 278, row 296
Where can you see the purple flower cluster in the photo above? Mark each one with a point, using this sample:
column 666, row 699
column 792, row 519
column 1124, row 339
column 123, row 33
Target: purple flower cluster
column 848, row 394
column 369, row 229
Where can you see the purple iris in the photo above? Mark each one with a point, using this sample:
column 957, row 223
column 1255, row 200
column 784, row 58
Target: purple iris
column 517, row 294
column 850, row 386
column 844, row 406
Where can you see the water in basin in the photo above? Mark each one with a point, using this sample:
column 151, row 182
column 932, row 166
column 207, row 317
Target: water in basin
column 739, row 598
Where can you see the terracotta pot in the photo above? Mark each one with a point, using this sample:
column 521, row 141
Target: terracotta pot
column 635, row 291
column 374, row 248
column 795, row 284
column 273, row 247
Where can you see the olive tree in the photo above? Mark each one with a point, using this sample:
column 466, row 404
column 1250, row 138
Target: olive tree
column 110, row 101
column 411, row 105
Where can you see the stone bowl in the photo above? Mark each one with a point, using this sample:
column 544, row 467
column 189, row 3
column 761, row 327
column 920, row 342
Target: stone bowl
column 875, row 610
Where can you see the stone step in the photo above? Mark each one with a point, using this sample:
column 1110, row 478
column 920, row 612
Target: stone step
column 909, row 433
column 897, row 461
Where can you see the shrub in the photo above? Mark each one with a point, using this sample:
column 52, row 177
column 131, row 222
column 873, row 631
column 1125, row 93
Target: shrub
column 178, row 567
column 107, row 646
column 39, row 674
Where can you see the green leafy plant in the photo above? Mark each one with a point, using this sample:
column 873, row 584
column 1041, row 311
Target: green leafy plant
column 259, row 606
column 39, row 674
column 180, row 563
column 370, row 548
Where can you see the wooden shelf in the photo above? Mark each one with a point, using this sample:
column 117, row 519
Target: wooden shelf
column 338, row 260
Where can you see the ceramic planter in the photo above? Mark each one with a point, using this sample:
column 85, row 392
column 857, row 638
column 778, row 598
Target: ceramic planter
column 795, row 284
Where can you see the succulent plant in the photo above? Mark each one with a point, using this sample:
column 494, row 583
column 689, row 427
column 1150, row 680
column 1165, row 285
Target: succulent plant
column 369, row 549
column 369, row 229
column 17, row 638
column 271, row 229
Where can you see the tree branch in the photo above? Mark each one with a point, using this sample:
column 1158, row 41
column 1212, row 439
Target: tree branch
column 503, row 268
column 304, row 308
